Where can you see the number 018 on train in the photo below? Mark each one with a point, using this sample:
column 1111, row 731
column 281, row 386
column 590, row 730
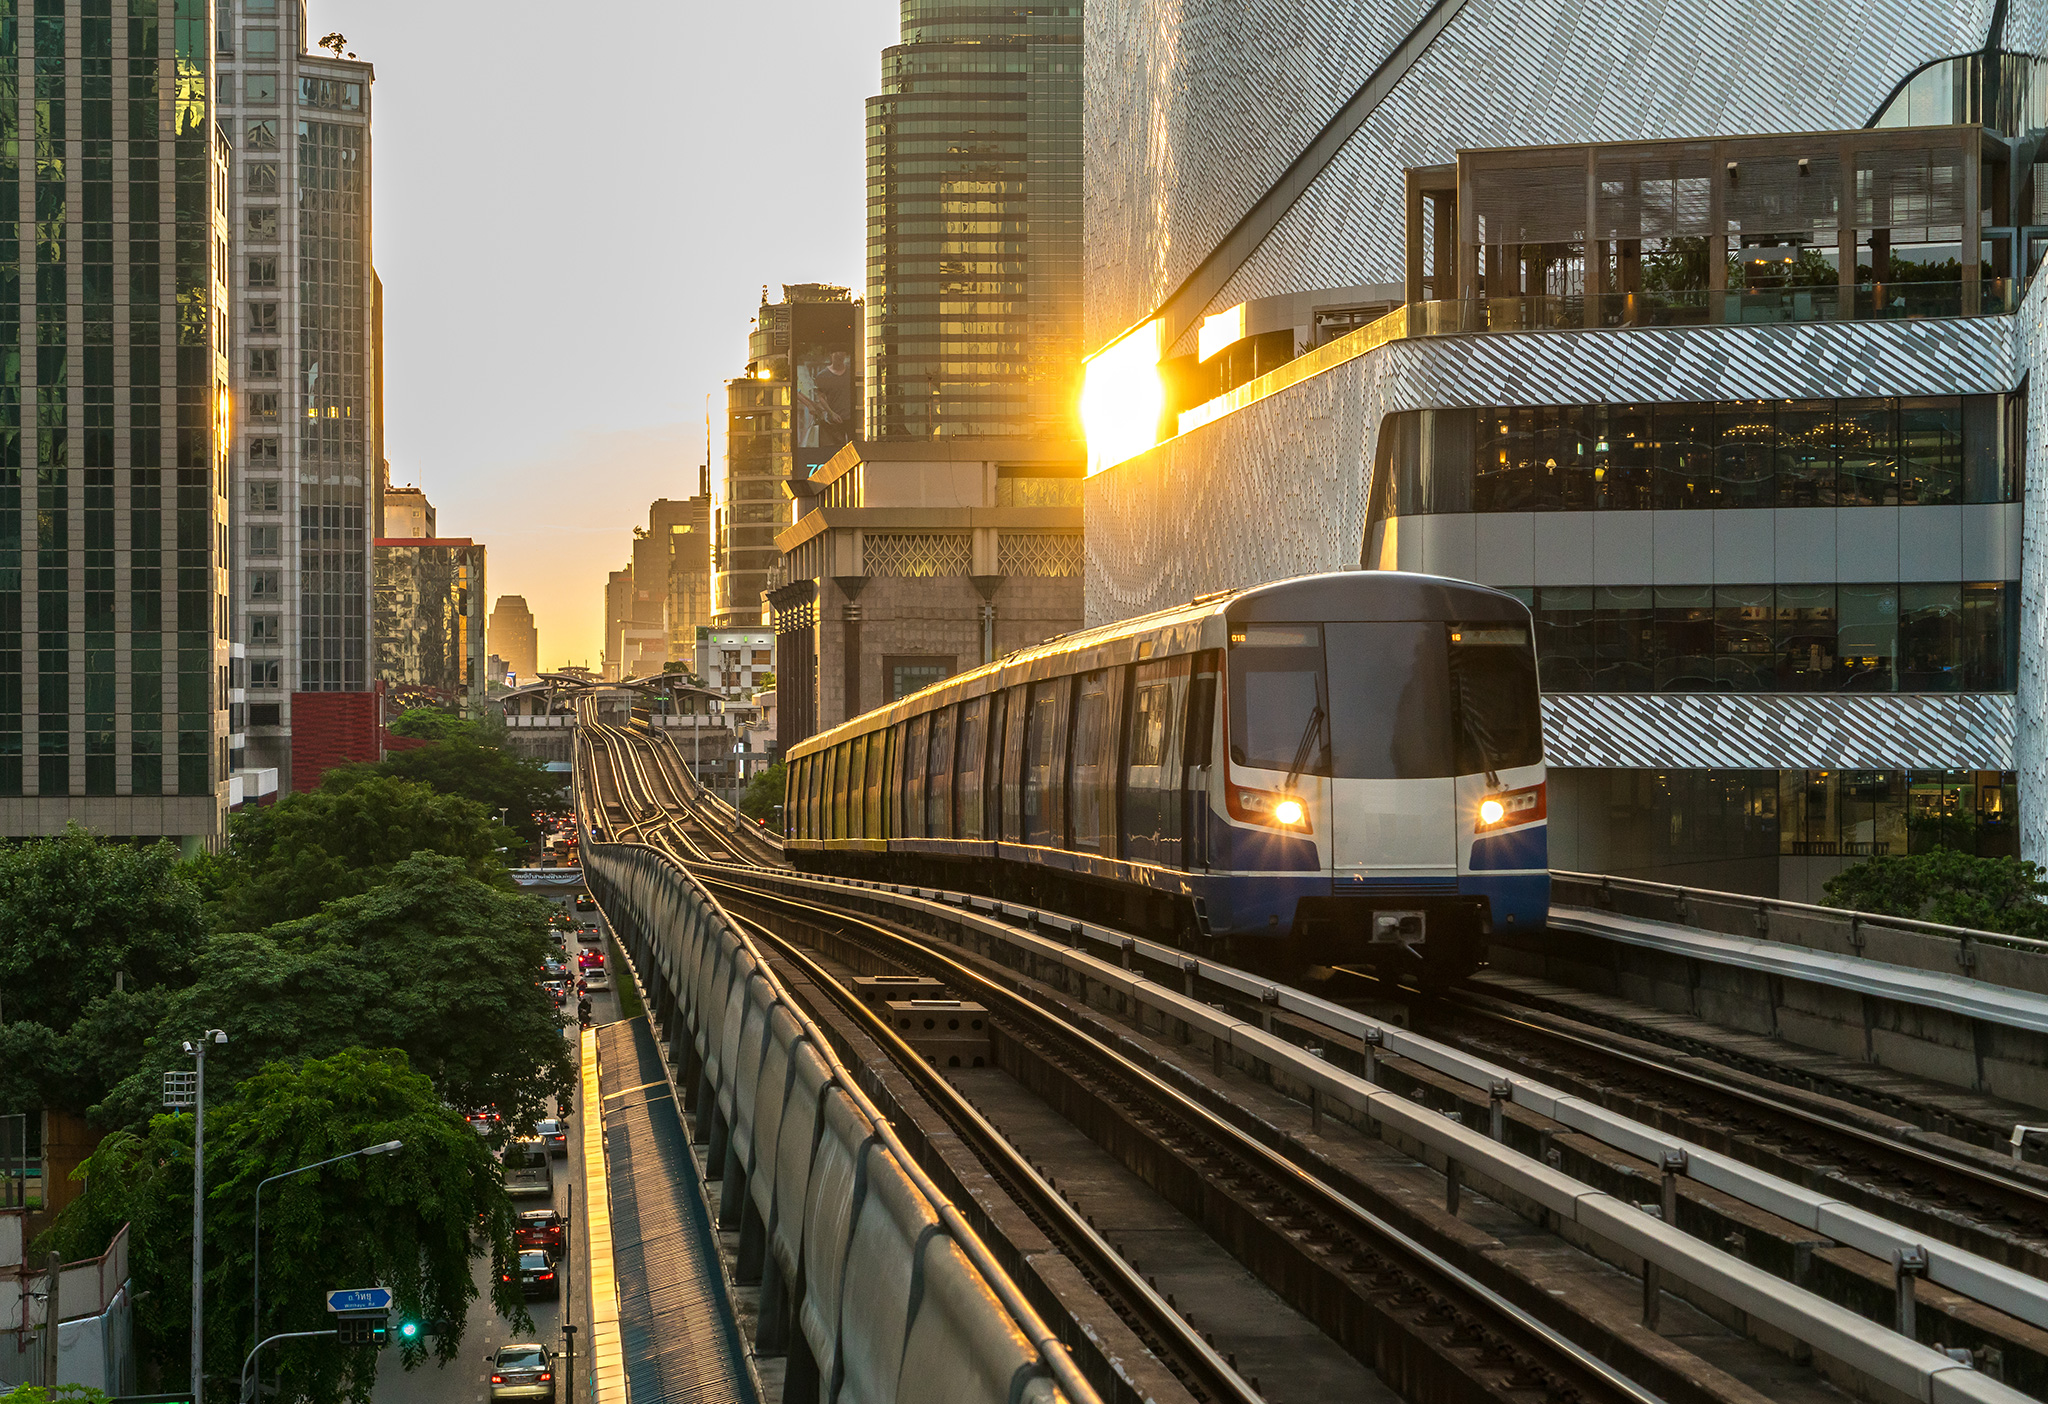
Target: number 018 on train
column 1332, row 770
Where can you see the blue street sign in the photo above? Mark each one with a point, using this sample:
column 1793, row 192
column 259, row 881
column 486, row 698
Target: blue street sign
column 360, row 1299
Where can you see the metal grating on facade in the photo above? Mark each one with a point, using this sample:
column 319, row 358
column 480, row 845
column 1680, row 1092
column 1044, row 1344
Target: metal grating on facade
column 1720, row 731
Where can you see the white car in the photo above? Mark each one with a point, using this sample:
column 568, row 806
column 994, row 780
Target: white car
column 594, row 979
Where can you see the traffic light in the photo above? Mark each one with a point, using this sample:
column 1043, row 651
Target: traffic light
column 408, row 1330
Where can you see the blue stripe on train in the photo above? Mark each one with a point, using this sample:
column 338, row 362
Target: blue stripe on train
column 1519, row 850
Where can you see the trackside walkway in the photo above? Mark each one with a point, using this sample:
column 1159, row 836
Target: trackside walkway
column 677, row 1338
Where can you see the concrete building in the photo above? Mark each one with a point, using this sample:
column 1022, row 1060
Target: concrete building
column 618, row 616
column 790, row 412
column 515, row 638
column 684, row 528
column 974, row 224
column 305, row 373
column 404, row 512
column 733, row 662
column 431, row 629
column 913, row 559
column 1718, row 366
column 114, row 471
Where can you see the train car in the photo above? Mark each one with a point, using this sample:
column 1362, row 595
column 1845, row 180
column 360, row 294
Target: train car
column 1331, row 770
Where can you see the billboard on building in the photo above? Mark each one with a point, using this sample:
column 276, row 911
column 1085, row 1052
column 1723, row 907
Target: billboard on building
column 824, row 371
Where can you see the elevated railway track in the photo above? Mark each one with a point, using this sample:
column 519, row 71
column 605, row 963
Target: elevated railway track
column 1268, row 1114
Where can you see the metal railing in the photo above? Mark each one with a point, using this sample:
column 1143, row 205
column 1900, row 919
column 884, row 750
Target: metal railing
column 1689, row 904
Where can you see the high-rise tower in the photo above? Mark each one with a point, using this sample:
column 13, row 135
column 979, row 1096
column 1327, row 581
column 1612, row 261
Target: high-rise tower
column 304, row 311
column 113, row 375
column 974, row 224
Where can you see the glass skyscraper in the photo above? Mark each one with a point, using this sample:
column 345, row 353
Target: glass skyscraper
column 974, row 223
column 113, row 411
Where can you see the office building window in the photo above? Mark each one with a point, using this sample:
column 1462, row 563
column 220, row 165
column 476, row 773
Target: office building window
column 1907, row 451
column 908, row 675
column 263, row 272
column 263, row 225
column 1783, row 638
column 259, row 88
column 260, row 135
column 263, row 319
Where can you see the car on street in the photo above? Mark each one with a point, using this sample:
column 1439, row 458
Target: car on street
column 554, row 1134
column 588, row 934
column 544, row 1229
column 535, row 1274
column 485, row 1120
column 585, row 902
column 558, row 991
column 585, row 960
column 594, row 979
column 529, row 1171
column 525, row 1370
column 555, row 965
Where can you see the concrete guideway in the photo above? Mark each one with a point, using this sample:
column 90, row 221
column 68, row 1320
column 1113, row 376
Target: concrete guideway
column 1837, row 1331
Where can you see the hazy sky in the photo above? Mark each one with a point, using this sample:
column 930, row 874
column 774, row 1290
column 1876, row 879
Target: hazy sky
column 576, row 208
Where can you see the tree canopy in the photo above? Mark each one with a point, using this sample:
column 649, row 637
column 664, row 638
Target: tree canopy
column 305, row 850
column 410, row 1219
column 764, row 792
column 431, row 962
column 460, row 765
column 2007, row 895
column 434, row 724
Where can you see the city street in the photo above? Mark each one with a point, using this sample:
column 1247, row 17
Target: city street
column 466, row 1379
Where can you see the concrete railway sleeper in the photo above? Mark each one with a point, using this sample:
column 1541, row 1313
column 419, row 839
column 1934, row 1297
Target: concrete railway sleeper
column 1039, row 943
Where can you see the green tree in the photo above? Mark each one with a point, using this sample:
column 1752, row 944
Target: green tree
column 412, row 1220
column 77, row 912
column 431, row 962
column 764, row 792
column 494, row 778
column 306, row 850
column 434, row 724
column 2007, row 895
column 62, row 1394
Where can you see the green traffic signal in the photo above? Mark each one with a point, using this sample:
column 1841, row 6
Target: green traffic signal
column 409, row 1330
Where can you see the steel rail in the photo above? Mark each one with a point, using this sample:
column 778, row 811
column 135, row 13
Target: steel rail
column 2034, row 1196
column 1283, row 1173
column 1078, row 1237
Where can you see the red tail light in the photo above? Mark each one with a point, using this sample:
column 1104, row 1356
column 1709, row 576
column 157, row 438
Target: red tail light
column 544, row 1277
column 497, row 1379
column 545, row 1376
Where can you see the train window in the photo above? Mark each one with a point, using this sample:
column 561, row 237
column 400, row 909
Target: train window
column 1498, row 721
column 815, row 803
column 1098, row 700
column 892, row 784
column 938, row 772
column 916, row 756
column 1391, row 687
column 871, row 790
column 1279, row 707
column 973, row 752
column 1044, row 813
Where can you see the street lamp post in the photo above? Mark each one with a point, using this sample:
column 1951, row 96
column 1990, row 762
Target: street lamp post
column 256, row 1293
column 197, row 1052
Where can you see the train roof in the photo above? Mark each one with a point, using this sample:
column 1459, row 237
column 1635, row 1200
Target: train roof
column 1202, row 623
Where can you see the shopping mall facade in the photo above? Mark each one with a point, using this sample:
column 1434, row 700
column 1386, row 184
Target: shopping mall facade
column 1715, row 351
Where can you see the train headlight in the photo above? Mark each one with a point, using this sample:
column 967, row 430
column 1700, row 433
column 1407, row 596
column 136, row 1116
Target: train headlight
column 1508, row 808
column 1492, row 811
column 1289, row 811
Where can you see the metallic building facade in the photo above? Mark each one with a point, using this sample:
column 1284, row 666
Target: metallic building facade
column 1292, row 169
column 114, row 629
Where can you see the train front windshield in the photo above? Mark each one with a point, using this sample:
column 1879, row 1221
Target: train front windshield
column 1406, row 700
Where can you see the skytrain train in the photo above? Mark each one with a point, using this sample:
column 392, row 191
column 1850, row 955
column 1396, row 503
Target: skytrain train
column 1332, row 770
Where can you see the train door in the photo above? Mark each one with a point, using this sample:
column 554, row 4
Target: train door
column 938, row 772
column 916, row 751
column 878, row 751
column 1092, row 785
column 968, row 817
column 1015, row 708
column 1394, row 793
column 1044, row 809
column 1153, row 762
column 1198, row 742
